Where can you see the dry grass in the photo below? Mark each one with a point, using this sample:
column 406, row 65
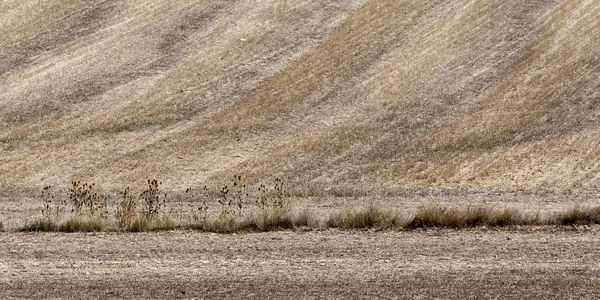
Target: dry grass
column 432, row 215
column 368, row 217
column 41, row 224
column 242, row 208
column 263, row 220
column 82, row 224
column 356, row 96
column 577, row 216
column 71, row 224
column 401, row 100
column 435, row 216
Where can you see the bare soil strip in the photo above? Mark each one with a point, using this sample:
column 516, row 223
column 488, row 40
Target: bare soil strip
column 533, row 262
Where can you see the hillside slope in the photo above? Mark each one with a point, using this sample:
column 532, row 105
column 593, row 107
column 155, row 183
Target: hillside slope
column 360, row 95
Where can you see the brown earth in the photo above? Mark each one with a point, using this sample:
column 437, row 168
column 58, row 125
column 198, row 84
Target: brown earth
column 526, row 263
column 398, row 102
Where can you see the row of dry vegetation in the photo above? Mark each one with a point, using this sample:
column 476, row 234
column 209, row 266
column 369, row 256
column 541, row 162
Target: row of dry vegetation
column 236, row 207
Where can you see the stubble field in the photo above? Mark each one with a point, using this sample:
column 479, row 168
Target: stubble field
column 392, row 103
column 518, row 263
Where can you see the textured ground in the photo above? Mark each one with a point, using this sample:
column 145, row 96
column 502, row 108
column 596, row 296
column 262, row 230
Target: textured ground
column 546, row 263
column 401, row 102
column 374, row 96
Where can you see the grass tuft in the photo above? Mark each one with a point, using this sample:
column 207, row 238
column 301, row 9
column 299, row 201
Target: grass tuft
column 82, row 224
column 40, row 223
column 139, row 225
column 262, row 220
column 433, row 215
column 578, row 216
column 369, row 217
column 272, row 219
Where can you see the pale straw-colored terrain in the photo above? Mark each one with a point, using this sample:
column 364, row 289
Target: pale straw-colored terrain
column 407, row 265
column 371, row 95
column 397, row 102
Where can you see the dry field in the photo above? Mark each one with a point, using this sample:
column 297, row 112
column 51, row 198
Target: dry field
column 331, row 264
column 462, row 103
column 352, row 96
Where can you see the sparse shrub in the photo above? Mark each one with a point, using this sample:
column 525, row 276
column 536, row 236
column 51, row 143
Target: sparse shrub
column 200, row 213
column 52, row 207
column 271, row 210
column 126, row 209
column 281, row 195
column 86, row 199
column 231, row 199
column 239, row 194
column 276, row 197
column 151, row 198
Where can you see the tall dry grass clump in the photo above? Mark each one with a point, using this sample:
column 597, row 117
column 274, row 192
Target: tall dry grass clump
column 577, row 215
column 368, row 217
column 434, row 215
